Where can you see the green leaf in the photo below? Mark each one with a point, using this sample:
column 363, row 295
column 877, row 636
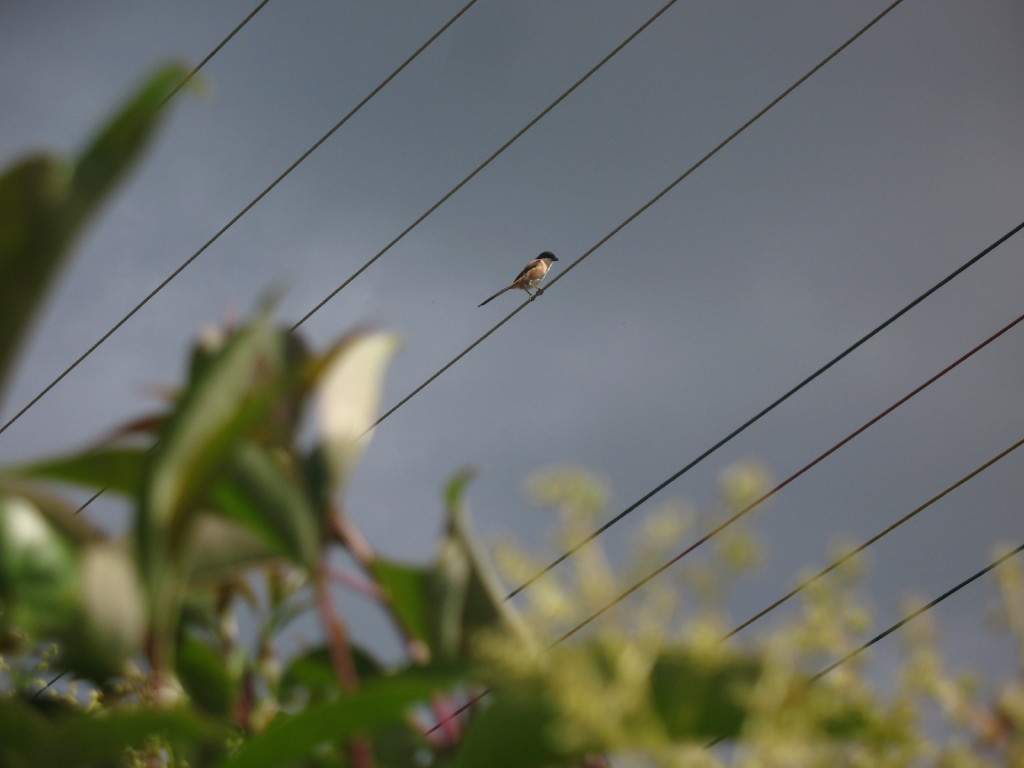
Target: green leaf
column 485, row 604
column 78, row 739
column 115, row 468
column 447, row 590
column 33, row 239
column 514, row 731
column 408, row 589
column 209, row 421
column 257, row 492
column 21, row 727
column 38, row 570
column 206, row 426
column 91, row 741
column 702, row 698
column 111, row 154
column 63, row 517
column 398, row 746
column 310, row 677
column 317, row 476
column 381, row 702
column 349, row 397
column 445, row 604
column 204, row 676
column 220, row 549
column 85, row 595
column 45, row 201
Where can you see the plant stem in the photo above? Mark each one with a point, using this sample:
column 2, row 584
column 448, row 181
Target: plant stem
column 340, row 651
column 352, row 539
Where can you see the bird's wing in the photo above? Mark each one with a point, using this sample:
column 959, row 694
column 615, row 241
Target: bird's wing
column 532, row 265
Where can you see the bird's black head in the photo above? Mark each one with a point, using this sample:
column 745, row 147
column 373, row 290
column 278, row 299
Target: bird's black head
column 548, row 255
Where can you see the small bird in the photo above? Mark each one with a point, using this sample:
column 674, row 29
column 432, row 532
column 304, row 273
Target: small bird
column 530, row 277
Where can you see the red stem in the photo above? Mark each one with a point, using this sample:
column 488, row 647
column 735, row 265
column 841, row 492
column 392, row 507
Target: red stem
column 340, row 652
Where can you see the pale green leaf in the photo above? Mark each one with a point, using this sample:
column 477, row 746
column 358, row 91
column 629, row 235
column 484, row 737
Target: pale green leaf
column 349, row 397
column 113, row 613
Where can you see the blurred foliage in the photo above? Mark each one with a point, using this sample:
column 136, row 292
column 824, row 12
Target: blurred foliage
column 236, row 489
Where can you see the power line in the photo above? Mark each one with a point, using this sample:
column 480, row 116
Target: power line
column 485, row 163
column 458, row 186
column 188, row 78
column 185, row 80
column 181, row 268
column 733, row 518
column 211, row 54
column 760, row 500
column 914, row 512
column 927, row 607
column 99, row 493
column 760, row 414
column 47, row 687
column 646, row 205
column 899, row 624
column 171, row 95
column 90, row 500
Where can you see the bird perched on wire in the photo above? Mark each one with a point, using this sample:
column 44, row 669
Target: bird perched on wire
column 530, row 277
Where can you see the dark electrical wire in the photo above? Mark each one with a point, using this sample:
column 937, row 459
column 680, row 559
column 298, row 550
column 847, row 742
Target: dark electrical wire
column 661, row 569
column 901, row 623
column 914, row 512
column 927, row 607
column 91, row 499
column 100, row 492
column 485, row 163
column 215, row 51
column 860, row 649
column 637, row 213
column 171, row 95
column 454, row 189
column 760, row 414
column 835, row 565
column 645, row 206
column 181, row 268
column 607, row 237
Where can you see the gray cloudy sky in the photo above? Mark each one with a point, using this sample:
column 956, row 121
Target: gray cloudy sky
column 891, row 167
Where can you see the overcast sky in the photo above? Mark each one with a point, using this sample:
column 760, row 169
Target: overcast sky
column 891, row 167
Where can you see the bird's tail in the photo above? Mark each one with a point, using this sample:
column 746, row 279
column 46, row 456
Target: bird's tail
column 494, row 296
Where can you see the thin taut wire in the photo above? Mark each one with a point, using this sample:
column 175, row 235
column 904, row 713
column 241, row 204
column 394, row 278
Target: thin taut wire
column 211, row 54
column 645, row 206
column 884, row 532
column 661, row 569
column 763, row 412
column 927, row 607
column 902, row 622
column 181, row 268
column 488, row 161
